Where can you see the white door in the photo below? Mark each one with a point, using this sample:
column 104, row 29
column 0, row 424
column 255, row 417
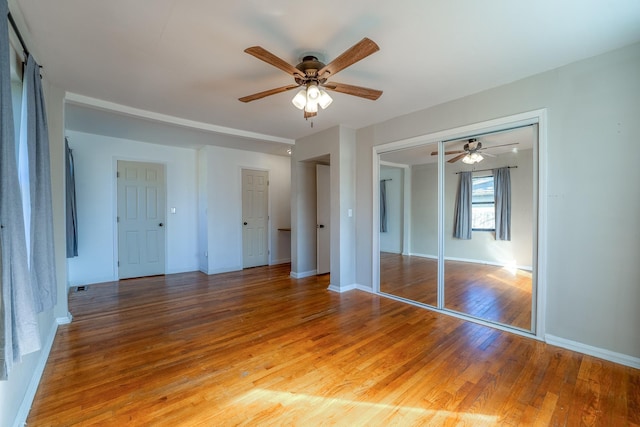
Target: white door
column 323, row 225
column 255, row 219
column 141, row 219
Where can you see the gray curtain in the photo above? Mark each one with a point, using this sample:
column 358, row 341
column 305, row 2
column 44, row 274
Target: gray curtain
column 42, row 265
column 462, row 221
column 72, row 213
column 19, row 330
column 383, row 206
column 502, row 198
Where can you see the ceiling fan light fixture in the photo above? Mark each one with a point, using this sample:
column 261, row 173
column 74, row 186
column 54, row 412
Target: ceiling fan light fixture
column 313, row 92
column 300, row 99
column 472, row 158
column 312, row 106
column 325, row 100
column 311, row 73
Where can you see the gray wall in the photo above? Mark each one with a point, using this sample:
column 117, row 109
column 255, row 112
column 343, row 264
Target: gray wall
column 339, row 145
column 592, row 240
column 483, row 246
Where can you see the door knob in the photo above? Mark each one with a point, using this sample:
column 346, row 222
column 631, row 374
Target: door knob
column 245, row 223
column 161, row 224
column 320, row 225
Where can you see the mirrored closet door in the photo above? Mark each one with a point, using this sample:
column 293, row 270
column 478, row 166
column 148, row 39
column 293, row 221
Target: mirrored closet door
column 484, row 243
column 409, row 224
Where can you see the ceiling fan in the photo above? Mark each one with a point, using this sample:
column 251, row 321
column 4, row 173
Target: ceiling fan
column 311, row 77
column 470, row 153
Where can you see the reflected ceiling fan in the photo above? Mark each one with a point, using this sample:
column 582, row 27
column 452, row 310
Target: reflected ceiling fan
column 311, row 77
column 470, row 153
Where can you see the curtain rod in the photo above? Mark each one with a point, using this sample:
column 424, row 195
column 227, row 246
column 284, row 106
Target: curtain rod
column 17, row 31
column 486, row 170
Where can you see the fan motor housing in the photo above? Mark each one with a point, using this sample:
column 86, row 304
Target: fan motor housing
column 467, row 147
column 310, row 66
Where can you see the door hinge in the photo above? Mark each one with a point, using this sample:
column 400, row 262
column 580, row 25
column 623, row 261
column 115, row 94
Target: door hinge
column 117, row 219
column 117, row 174
column 118, row 263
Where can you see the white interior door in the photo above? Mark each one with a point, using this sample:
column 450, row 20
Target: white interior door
column 141, row 219
column 323, row 224
column 255, row 219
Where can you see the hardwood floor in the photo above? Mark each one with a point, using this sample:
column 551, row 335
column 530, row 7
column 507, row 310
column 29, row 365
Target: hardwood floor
column 485, row 291
column 259, row 348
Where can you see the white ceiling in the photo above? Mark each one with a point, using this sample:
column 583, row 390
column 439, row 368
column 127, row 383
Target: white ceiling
column 182, row 61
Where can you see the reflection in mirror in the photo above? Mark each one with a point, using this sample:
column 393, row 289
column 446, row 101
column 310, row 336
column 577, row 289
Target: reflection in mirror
column 489, row 226
column 409, row 224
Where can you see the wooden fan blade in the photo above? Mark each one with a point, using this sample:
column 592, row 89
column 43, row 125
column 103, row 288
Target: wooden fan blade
column 503, row 145
column 259, row 95
column 355, row 53
column 446, row 153
column 307, row 115
column 270, row 58
column 360, row 91
column 456, row 158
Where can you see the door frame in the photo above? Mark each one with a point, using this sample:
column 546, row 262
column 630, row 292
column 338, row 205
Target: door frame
column 405, row 196
column 539, row 295
column 114, row 204
column 328, row 192
column 240, row 226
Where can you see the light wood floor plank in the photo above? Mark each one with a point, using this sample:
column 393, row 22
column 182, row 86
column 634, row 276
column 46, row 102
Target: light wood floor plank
column 259, row 348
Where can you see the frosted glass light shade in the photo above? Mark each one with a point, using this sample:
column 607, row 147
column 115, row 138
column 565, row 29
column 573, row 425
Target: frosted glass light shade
column 312, row 106
column 313, row 92
column 300, row 99
column 472, row 158
column 477, row 158
column 325, row 100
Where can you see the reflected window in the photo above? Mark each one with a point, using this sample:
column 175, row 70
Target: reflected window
column 483, row 204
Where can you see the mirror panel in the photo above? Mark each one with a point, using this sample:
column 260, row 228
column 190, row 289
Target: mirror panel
column 409, row 246
column 484, row 276
column 488, row 272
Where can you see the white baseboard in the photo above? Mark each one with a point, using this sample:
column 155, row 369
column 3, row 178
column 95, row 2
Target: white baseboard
column 223, row 270
column 423, row 255
column 303, row 274
column 612, row 356
column 91, row 281
column 30, row 394
column 182, row 270
column 341, row 289
column 365, row 289
column 280, row 261
column 64, row 320
column 352, row 287
column 474, row 261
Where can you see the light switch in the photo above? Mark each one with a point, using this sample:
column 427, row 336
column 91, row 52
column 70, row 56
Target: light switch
column 350, row 212
column 173, row 210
